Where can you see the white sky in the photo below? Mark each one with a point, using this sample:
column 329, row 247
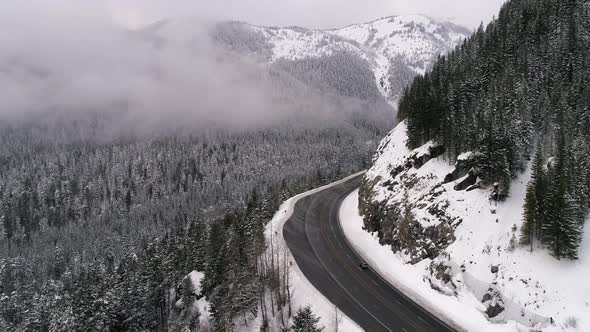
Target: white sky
column 307, row 13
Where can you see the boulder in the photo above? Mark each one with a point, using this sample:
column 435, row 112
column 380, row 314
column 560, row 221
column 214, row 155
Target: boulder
column 494, row 310
column 473, row 187
column 469, row 181
column 493, row 302
column 394, row 172
column 418, row 160
column 462, row 167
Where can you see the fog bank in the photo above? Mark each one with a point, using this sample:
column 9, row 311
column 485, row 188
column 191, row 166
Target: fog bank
column 53, row 60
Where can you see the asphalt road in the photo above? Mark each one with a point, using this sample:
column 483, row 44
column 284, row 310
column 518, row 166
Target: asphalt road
column 315, row 237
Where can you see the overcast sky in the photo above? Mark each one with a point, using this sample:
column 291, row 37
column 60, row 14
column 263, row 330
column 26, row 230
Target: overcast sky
column 308, row 13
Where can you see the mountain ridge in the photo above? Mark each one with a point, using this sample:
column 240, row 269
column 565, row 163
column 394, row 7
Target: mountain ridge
column 397, row 48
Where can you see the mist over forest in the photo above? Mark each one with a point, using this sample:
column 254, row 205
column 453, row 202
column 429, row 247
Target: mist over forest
column 101, row 81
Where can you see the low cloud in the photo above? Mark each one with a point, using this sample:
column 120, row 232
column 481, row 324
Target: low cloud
column 54, row 61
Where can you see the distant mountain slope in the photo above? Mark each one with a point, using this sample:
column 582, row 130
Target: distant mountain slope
column 395, row 48
column 361, row 69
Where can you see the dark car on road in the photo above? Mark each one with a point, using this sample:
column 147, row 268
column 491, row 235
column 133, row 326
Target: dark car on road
column 363, row 265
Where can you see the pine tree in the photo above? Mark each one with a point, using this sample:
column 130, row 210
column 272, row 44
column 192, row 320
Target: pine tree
column 534, row 214
column 571, row 228
column 563, row 232
column 196, row 246
column 527, row 232
column 3, row 234
column 505, row 176
column 216, row 259
column 490, row 95
column 305, row 321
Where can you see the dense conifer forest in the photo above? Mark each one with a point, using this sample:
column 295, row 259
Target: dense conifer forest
column 94, row 234
column 515, row 90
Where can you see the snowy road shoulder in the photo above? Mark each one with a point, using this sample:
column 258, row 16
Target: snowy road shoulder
column 458, row 311
column 303, row 292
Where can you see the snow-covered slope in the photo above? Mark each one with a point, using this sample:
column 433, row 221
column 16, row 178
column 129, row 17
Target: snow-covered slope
column 465, row 243
column 414, row 38
column 397, row 47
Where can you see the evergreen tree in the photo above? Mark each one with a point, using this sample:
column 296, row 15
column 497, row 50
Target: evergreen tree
column 216, row 258
column 562, row 233
column 534, row 213
column 305, row 321
column 527, row 235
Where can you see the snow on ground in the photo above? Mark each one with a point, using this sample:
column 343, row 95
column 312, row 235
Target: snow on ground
column 303, row 293
column 391, row 151
column 397, row 36
column 533, row 282
column 202, row 305
column 459, row 312
column 195, row 278
column 187, row 311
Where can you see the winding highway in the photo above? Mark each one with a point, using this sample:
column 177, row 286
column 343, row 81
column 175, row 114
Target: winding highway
column 317, row 242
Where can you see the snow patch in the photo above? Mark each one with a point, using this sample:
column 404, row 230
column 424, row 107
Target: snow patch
column 465, row 156
column 195, row 278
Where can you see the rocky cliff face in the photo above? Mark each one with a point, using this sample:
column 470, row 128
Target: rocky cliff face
column 405, row 200
column 440, row 216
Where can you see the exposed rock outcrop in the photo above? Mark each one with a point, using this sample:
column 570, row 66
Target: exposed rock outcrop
column 493, row 302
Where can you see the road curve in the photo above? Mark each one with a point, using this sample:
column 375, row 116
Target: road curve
column 315, row 238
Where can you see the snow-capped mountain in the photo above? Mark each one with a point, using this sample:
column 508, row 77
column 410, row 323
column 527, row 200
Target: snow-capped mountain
column 363, row 67
column 396, row 48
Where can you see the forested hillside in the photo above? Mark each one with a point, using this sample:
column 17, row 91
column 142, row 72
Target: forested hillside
column 517, row 88
column 94, row 235
column 485, row 183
